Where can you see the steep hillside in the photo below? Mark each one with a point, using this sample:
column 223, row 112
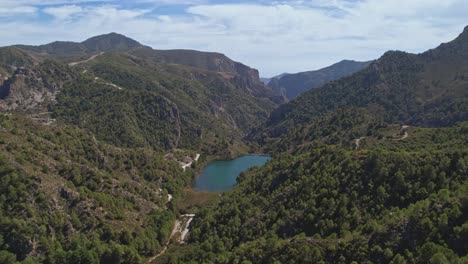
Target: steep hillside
column 388, row 202
column 370, row 168
column 31, row 88
column 113, row 42
column 204, row 60
column 110, row 42
column 292, row 85
column 134, row 96
column 377, row 173
column 84, row 130
column 11, row 57
column 267, row 80
column 68, row 198
column 133, row 102
column 429, row 89
column 82, row 145
column 67, row 50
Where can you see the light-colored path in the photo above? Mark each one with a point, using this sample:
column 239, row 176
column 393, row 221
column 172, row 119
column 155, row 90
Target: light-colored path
column 403, row 128
column 358, row 142
column 96, row 79
column 71, row 64
column 181, row 227
column 186, row 229
column 187, row 165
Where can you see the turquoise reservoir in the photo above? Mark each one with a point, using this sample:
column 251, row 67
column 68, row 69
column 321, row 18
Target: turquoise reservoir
column 220, row 176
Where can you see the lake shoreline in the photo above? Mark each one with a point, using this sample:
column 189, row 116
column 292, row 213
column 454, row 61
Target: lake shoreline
column 221, row 175
column 204, row 160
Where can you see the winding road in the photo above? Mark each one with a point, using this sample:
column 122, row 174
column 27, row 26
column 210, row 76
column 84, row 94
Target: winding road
column 178, row 228
column 71, row 64
column 403, row 128
column 358, row 142
column 187, row 165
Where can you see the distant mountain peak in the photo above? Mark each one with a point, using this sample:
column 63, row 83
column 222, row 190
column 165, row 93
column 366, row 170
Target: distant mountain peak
column 346, row 61
column 455, row 48
column 464, row 34
column 291, row 85
column 111, row 42
column 110, row 35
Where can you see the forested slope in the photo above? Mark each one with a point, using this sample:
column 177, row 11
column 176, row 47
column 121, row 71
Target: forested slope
column 390, row 202
column 371, row 168
column 84, row 130
column 130, row 96
column 428, row 89
column 134, row 102
column 292, row 85
column 68, row 198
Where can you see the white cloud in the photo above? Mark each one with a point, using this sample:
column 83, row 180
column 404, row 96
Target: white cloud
column 285, row 36
column 17, row 10
column 74, row 2
column 63, row 12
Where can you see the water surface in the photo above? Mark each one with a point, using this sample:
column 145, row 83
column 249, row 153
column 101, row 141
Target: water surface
column 220, row 176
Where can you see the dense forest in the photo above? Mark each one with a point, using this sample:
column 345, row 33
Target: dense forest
column 401, row 88
column 397, row 202
column 370, row 168
column 67, row 198
column 136, row 103
column 292, row 85
column 84, row 171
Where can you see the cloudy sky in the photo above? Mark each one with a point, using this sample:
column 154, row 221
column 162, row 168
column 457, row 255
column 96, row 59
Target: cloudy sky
column 272, row 36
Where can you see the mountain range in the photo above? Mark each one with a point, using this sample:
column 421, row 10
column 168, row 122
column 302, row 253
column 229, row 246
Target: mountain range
column 85, row 129
column 369, row 159
column 178, row 98
column 113, row 42
column 291, row 85
column 427, row 89
column 369, row 168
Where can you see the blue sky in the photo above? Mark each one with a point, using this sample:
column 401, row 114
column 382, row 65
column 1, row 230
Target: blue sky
column 272, row 36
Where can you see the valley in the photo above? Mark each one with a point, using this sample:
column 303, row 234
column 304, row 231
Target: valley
column 221, row 175
column 114, row 152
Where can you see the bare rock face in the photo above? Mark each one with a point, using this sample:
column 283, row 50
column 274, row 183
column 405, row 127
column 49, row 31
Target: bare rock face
column 69, row 194
column 25, row 90
column 5, row 85
column 32, row 88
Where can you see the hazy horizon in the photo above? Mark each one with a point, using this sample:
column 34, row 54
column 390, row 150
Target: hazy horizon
column 271, row 36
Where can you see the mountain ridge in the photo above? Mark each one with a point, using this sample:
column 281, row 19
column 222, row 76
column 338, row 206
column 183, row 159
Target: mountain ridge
column 160, row 99
column 114, row 42
column 427, row 89
column 291, row 85
column 369, row 168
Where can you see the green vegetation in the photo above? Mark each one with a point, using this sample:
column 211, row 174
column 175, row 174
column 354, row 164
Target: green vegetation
column 14, row 56
column 67, row 198
column 30, row 88
column 348, row 183
column 136, row 103
column 399, row 88
column 292, row 85
column 389, row 202
column 92, row 185
column 340, row 127
column 194, row 200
